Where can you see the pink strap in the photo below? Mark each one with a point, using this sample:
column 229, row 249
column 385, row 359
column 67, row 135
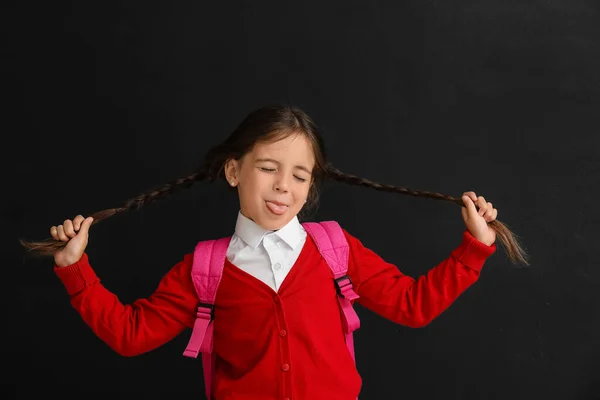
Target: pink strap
column 200, row 333
column 332, row 244
column 207, row 270
column 351, row 320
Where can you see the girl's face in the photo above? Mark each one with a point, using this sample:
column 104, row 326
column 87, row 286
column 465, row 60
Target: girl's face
column 273, row 180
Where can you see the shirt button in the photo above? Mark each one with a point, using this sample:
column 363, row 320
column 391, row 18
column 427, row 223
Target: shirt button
column 277, row 267
column 282, row 332
column 285, row 367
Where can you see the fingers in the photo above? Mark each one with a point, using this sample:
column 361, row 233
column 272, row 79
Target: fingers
column 489, row 212
column 469, row 203
column 61, row 234
column 69, row 228
column 85, row 225
column 77, row 222
column 495, row 215
column 54, row 232
column 471, row 195
column 480, row 206
column 486, row 210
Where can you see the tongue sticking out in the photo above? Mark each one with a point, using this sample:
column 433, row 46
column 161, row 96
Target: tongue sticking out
column 276, row 209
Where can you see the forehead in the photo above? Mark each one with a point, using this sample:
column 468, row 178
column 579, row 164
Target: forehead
column 293, row 148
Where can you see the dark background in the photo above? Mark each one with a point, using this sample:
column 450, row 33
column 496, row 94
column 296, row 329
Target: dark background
column 109, row 99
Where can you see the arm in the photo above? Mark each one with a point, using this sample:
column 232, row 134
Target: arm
column 414, row 302
column 145, row 324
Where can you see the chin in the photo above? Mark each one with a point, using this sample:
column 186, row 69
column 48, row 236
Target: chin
column 270, row 221
column 275, row 222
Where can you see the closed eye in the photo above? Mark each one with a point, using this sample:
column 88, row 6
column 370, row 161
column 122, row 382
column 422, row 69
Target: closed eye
column 271, row 170
column 266, row 169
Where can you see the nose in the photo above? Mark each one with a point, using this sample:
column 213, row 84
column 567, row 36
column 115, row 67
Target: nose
column 281, row 183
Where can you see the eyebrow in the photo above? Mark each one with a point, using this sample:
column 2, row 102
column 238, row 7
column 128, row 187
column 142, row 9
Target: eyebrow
column 303, row 168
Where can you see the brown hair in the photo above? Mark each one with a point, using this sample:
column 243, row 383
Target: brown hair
column 271, row 124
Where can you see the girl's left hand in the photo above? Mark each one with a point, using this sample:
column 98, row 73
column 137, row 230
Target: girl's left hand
column 477, row 220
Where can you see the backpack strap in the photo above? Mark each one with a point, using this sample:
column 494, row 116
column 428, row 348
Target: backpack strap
column 333, row 246
column 207, row 270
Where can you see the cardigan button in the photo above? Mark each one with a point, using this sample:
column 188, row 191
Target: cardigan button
column 276, row 299
column 282, row 332
column 285, row 367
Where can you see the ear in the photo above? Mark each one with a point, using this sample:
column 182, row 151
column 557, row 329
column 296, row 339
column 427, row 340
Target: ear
column 232, row 168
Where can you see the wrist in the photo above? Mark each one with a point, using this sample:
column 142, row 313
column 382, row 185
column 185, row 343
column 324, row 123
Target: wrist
column 62, row 263
column 486, row 241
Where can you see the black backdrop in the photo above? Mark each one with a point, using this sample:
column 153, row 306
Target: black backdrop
column 110, row 99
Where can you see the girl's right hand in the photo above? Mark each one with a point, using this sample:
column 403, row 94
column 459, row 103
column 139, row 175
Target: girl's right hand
column 76, row 233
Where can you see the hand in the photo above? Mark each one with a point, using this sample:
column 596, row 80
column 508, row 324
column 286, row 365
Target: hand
column 477, row 220
column 76, row 233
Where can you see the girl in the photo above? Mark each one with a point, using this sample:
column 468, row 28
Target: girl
column 278, row 331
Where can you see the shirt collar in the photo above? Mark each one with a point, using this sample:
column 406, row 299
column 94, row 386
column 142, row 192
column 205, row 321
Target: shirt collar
column 252, row 234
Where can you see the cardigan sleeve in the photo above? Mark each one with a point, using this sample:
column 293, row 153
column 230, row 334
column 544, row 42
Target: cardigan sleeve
column 385, row 290
column 147, row 323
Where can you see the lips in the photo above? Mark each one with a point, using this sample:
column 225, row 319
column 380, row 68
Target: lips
column 277, row 203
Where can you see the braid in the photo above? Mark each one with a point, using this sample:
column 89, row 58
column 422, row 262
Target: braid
column 337, row 175
column 163, row 191
column 50, row 246
column 507, row 239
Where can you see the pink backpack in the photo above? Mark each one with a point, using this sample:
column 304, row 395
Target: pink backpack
column 207, row 269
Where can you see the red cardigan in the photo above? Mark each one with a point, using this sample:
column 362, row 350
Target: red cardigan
column 276, row 345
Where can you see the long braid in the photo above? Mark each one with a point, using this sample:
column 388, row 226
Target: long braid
column 50, row 246
column 507, row 239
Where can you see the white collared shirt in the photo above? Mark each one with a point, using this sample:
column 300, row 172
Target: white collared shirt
column 266, row 255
